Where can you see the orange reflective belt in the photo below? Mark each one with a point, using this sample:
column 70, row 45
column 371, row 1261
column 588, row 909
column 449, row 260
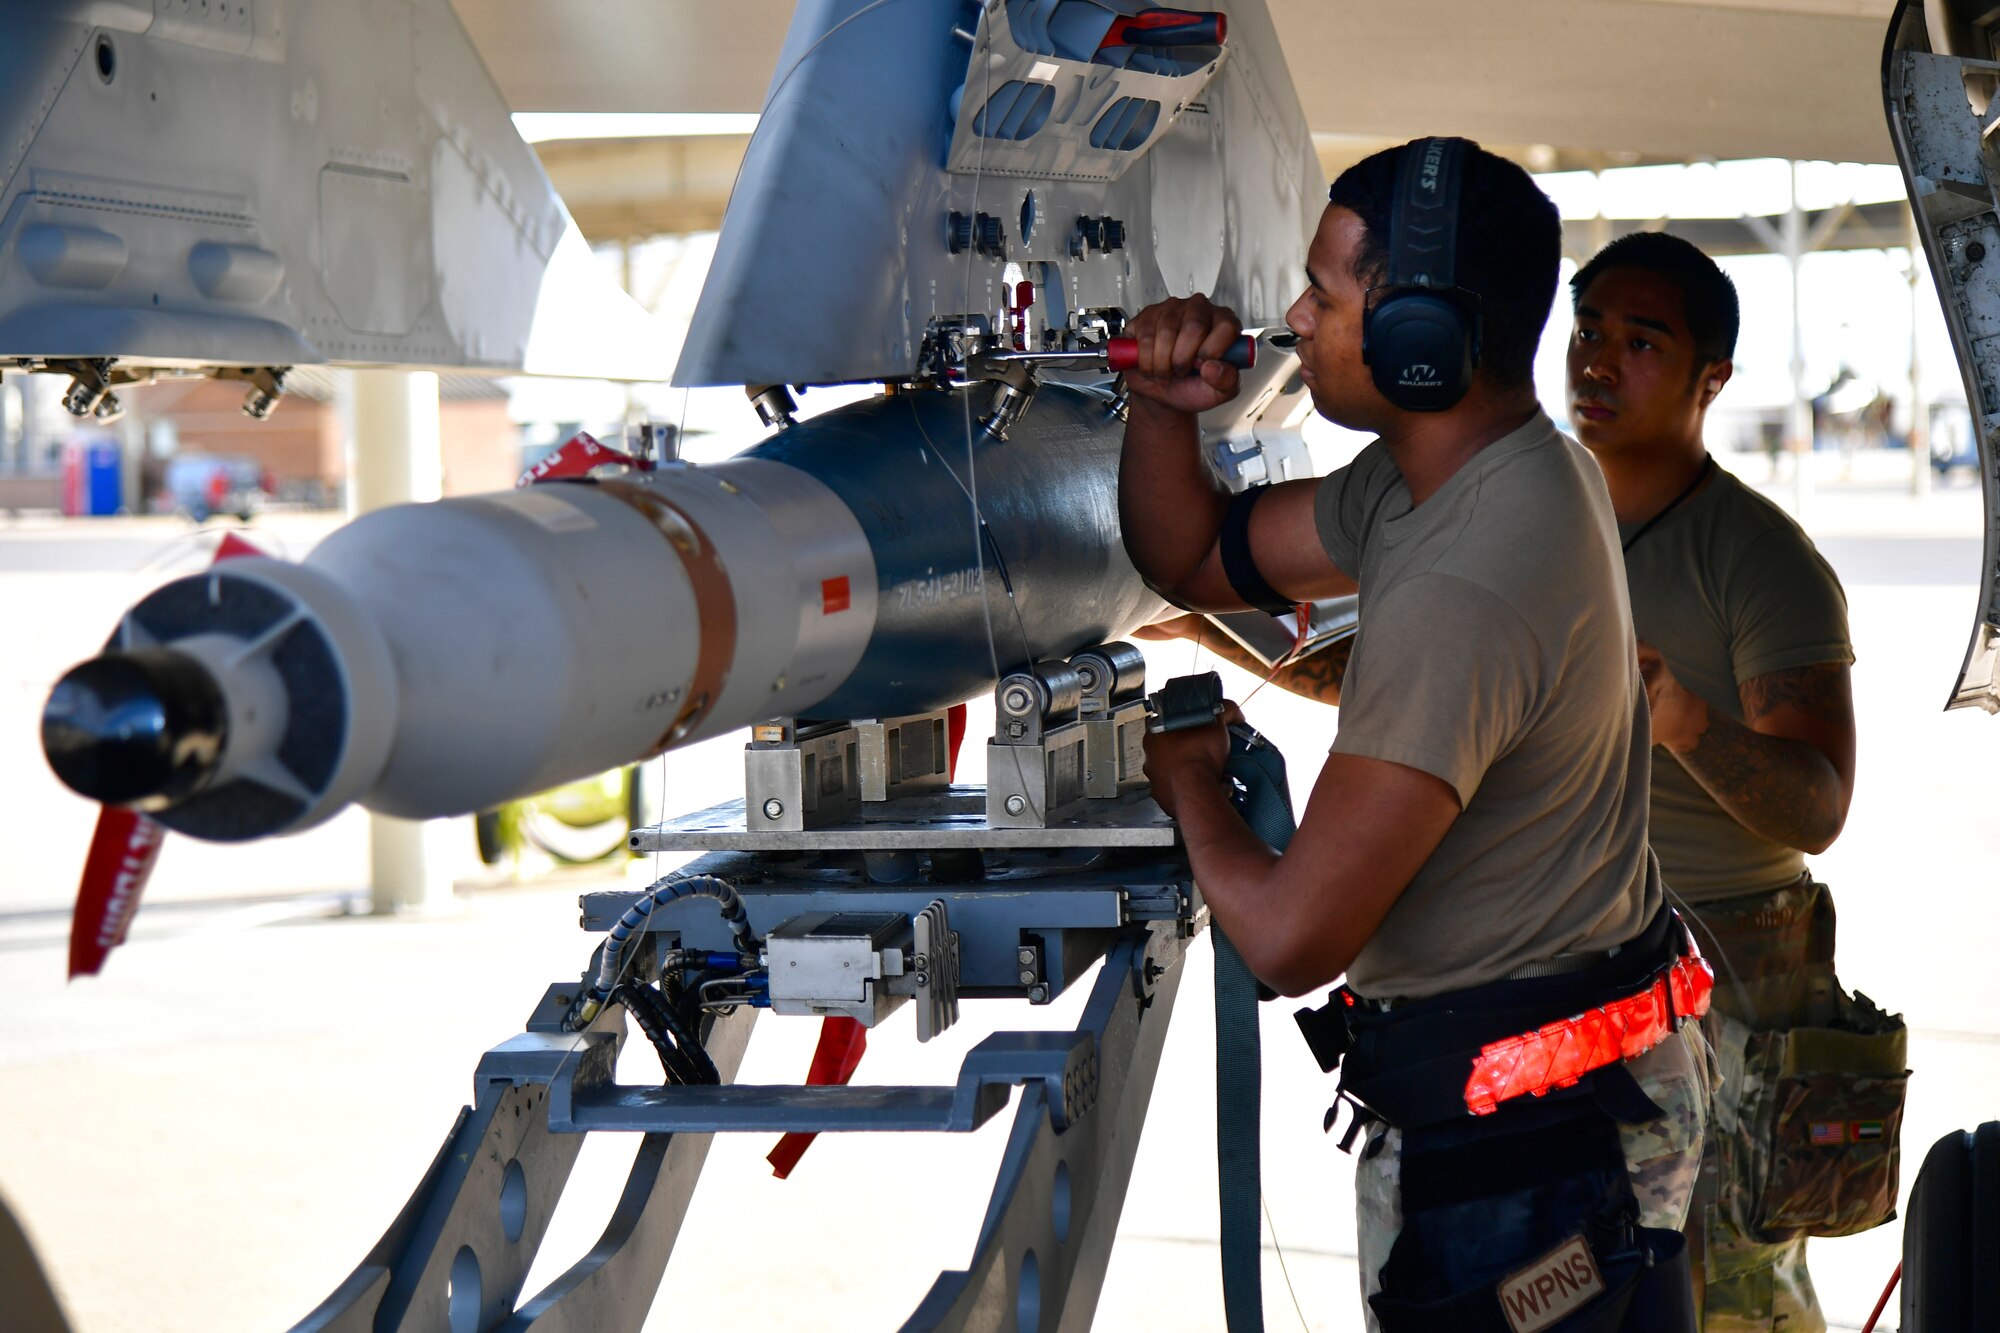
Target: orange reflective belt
column 1557, row 1054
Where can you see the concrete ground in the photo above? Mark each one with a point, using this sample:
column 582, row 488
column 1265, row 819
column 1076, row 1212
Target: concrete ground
column 210, row 1135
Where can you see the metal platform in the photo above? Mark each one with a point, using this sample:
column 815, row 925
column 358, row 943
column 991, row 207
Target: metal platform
column 949, row 820
column 457, row 1257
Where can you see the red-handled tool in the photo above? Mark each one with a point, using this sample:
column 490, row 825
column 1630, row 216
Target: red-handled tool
column 1167, row 27
column 1123, row 353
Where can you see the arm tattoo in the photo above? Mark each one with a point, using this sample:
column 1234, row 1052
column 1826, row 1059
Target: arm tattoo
column 1782, row 789
column 1813, row 690
column 1315, row 676
column 1318, row 676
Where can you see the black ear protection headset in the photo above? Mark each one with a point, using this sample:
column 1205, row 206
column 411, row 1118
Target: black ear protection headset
column 1420, row 333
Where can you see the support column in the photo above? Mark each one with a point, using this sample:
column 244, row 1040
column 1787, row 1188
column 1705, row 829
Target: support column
column 1795, row 241
column 1798, row 418
column 1600, row 226
column 395, row 456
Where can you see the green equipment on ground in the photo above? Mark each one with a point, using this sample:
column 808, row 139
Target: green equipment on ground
column 577, row 823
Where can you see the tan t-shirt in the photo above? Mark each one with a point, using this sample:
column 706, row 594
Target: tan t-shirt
column 1495, row 652
column 1728, row 588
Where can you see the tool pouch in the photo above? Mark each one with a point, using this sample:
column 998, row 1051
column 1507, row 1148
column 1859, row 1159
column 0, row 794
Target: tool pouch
column 1814, row 1129
column 1808, row 1123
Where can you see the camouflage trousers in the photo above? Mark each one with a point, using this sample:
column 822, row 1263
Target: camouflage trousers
column 1768, row 949
column 1662, row 1157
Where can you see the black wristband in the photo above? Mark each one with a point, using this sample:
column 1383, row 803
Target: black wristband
column 1239, row 566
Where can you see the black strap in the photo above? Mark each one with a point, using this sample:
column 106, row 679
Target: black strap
column 1707, row 466
column 1239, row 566
column 1265, row 803
column 1423, row 230
column 1238, row 1159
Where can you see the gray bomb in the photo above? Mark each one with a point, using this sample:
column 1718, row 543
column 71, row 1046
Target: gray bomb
column 428, row 660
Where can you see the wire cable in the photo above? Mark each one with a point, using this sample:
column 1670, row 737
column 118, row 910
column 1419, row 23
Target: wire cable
column 611, row 959
column 615, row 962
column 681, row 1056
column 982, row 535
column 1283, row 1268
column 771, row 98
column 1692, row 920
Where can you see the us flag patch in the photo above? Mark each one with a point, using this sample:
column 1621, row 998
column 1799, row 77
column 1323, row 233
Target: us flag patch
column 1828, row 1133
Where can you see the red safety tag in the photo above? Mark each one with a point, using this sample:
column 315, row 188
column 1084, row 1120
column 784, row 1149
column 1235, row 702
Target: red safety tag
column 232, row 547
column 954, row 725
column 842, row 1042
column 122, row 853
column 1016, row 308
column 577, row 456
column 1303, row 612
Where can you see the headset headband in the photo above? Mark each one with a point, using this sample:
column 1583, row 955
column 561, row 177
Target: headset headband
column 1423, row 226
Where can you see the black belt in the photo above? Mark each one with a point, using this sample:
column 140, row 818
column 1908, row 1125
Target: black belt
column 1407, row 1064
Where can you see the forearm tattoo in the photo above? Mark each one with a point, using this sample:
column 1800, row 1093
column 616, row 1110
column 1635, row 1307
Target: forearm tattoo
column 1782, row 789
column 1319, row 675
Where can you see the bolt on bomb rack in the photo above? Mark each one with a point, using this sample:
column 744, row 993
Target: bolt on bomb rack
column 851, row 879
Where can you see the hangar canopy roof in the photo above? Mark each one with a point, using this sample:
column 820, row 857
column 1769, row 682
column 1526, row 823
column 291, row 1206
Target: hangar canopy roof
column 1628, row 79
